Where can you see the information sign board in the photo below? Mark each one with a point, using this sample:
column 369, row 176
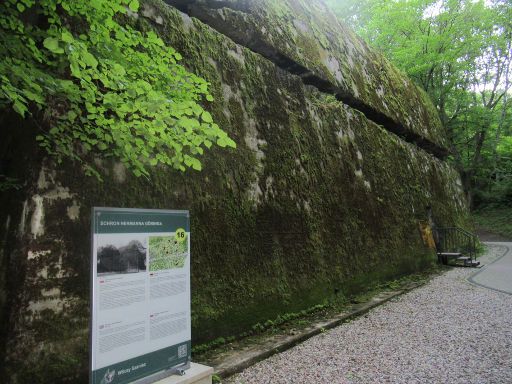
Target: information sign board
column 140, row 294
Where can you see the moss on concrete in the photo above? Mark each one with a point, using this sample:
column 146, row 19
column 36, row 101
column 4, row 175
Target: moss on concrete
column 316, row 198
column 309, row 34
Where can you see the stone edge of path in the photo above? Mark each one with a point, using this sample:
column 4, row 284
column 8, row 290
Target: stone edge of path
column 474, row 283
column 239, row 360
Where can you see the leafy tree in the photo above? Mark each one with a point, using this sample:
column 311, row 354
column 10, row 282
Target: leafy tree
column 459, row 51
column 98, row 86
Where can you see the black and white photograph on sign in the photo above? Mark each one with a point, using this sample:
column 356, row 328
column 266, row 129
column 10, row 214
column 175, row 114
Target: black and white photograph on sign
column 166, row 252
column 120, row 254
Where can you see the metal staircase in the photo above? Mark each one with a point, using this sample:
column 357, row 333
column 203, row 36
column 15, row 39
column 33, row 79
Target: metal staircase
column 456, row 246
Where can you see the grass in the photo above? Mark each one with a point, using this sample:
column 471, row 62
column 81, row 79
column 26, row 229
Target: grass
column 495, row 220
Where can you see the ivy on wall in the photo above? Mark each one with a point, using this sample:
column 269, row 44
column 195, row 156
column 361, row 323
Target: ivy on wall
column 101, row 86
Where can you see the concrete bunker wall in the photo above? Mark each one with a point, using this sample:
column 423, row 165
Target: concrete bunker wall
column 316, row 198
column 305, row 38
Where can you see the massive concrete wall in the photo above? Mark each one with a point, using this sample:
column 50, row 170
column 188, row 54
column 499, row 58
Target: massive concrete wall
column 305, row 38
column 316, row 198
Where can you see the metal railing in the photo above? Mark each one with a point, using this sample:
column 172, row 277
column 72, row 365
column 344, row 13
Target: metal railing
column 457, row 240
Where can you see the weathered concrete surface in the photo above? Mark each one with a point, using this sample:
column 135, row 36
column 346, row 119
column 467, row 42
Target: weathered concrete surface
column 316, row 199
column 196, row 374
column 304, row 37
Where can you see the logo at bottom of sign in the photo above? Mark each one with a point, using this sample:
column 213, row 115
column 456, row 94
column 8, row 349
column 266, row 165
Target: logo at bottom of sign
column 108, row 377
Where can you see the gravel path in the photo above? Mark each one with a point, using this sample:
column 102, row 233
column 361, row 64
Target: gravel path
column 447, row 331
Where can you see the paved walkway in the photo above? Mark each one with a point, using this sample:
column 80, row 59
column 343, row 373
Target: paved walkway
column 498, row 274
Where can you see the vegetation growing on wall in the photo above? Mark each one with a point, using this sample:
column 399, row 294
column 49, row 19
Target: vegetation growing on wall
column 318, row 200
column 98, row 86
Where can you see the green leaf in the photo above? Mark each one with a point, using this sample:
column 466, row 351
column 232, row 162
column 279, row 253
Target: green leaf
column 226, row 142
column 34, row 96
column 189, row 124
column 230, row 143
column 134, row 5
column 192, row 162
column 90, row 60
column 71, row 116
column 196, row 164
column 52, row 45
column 126, row 97
column 207, row 117
column 67, row 37
column 196, row 109
column 20, row 108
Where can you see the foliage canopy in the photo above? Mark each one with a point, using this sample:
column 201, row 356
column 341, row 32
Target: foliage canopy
column 460, row 52
column 102, row 87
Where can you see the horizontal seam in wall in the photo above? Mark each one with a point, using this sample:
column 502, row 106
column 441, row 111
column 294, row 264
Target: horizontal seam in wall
column 309, row 78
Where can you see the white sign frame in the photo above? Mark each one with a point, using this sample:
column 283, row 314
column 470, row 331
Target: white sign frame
column 140, row 324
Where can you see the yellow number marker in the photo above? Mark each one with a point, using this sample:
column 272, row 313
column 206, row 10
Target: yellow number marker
column 180, row 235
